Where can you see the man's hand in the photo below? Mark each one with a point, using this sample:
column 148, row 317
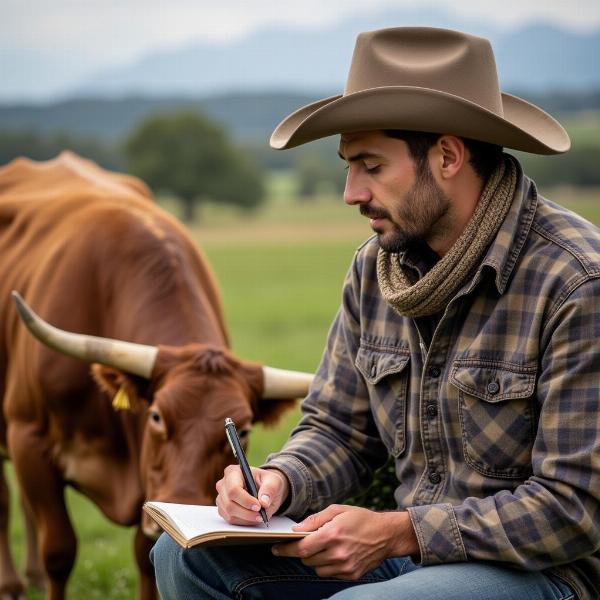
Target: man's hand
column 239, row 507
column 349, row 541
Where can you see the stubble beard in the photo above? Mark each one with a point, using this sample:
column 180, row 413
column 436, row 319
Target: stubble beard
column 424, row 214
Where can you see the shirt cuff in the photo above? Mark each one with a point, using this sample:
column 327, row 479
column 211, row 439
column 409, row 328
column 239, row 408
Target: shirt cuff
column 438, row 534
column 300, row 495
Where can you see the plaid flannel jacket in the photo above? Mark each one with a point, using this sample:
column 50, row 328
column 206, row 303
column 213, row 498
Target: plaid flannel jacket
column 494, row 421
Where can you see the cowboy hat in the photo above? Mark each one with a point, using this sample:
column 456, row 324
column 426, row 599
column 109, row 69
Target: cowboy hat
column 425, row 79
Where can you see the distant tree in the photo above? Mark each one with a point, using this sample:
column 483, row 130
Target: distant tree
column 192, row 157
column 579, row 166
column 39, row 146
column 317, row 174
column 310, row 172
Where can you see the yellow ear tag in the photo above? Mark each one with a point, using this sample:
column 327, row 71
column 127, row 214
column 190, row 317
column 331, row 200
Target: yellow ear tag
column 121, row 400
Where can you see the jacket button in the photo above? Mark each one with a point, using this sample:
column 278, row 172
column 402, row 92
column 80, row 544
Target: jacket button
column 435, row 372
column 493, row 387
column 435, row 477
column 373, row 370
column 432, row 410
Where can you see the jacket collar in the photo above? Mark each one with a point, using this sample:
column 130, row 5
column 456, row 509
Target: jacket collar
column 504, row 252
column 502, row 255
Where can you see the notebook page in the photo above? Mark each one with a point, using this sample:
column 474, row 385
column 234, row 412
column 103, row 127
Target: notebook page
column 194, row 520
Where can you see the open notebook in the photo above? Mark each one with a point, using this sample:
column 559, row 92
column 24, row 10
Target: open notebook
column 192, row 524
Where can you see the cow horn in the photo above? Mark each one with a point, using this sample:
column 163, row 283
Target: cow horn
column 131, row 358
column 279, row 383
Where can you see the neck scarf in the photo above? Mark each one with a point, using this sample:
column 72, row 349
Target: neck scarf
column 431, row 294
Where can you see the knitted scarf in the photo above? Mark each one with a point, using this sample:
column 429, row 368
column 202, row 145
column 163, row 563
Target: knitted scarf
column 431, row 294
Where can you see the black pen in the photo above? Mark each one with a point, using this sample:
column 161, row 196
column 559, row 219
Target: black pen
column 239, row 453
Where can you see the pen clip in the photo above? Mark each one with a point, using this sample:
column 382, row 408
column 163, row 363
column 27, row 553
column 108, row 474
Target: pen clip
column 228, row 424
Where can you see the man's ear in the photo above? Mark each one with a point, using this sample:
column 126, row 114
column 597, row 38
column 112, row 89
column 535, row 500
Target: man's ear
column 265, row 410
column 451, row 155
column 118, row 386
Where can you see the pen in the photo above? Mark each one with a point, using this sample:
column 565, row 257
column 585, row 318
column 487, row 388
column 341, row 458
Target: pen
column 240, row 455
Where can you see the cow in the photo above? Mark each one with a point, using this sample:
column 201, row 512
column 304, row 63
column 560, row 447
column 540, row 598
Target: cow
column 117, row 284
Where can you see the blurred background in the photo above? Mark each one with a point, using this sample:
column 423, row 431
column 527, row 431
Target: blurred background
column 185, row 94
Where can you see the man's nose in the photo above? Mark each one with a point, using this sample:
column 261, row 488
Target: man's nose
column 355, row 191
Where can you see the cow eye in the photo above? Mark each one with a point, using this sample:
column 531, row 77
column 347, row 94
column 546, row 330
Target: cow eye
column 156, row 423
column 243, row 434
column 155, row 416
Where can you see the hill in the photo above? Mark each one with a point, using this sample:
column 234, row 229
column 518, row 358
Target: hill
column 250, row 116
column 536, row 56
column 532, row 55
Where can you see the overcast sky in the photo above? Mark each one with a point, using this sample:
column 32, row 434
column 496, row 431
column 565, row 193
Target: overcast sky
column 61, row 40
column 105, row 30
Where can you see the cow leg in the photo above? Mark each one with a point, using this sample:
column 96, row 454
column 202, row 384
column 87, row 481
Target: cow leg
column 43, row 491
column 147, row 582
column 11, row 587
column 34, row 573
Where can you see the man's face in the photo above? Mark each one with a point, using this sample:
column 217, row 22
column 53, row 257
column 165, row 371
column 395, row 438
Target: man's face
column 402, row 200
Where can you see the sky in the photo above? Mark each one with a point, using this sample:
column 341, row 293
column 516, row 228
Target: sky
column 125, row 29
column 85, row 35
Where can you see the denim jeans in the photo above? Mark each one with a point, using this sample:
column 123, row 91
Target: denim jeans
column 252, row 573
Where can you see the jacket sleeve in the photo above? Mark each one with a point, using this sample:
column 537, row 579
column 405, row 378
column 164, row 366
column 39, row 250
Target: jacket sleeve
column 554, row 516
column 336, row 446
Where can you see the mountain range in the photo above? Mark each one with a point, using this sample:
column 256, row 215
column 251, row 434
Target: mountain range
column 247, row 116
column 535, row 56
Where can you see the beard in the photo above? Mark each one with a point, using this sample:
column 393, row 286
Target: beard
column 423, row 214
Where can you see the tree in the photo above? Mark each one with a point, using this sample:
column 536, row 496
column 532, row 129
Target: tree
column 38, row 146
column 579, row 166
column 191, row 157
column 317, row 173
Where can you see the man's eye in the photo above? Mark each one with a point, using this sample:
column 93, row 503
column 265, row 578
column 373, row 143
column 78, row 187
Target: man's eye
column 373, row 169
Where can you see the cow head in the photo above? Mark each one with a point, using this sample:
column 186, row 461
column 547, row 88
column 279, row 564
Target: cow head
column 185, row 394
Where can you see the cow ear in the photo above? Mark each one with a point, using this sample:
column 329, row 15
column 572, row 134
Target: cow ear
column 118, row 386
column 265, row 410
column 269, row 411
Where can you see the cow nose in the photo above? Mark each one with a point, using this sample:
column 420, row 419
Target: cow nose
column 150, row 528
column 153, row 532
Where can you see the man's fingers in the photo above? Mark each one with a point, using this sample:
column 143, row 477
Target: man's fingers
column 232, row 478
column 236, row 514
column 313, row 522
column 233, row 489
column 272, row 488
column 238, row 506
column 234, row 503
column 305, row 548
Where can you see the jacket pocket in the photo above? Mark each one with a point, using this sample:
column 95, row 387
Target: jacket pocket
column 497, row 416
column 386, row 375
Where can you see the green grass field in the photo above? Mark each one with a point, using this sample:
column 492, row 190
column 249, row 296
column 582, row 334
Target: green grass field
column 280, row 273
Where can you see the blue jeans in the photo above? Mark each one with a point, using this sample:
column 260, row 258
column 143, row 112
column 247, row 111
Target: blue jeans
column 252, row 573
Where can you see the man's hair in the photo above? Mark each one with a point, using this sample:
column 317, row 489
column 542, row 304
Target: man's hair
column 484, row 157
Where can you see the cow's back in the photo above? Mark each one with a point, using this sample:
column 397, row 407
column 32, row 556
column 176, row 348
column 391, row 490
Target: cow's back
column 41, row 204
column 93, row 253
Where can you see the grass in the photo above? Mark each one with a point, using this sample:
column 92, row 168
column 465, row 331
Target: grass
column 280, row 272
column 104, row 567
column 583, row 128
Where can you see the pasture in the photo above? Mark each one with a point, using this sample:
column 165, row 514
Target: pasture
column 280, row 273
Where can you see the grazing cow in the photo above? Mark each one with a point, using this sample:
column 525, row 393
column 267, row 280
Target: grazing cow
column 93, row 254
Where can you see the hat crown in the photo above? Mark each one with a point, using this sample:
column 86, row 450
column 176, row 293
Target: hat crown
column 437, row 59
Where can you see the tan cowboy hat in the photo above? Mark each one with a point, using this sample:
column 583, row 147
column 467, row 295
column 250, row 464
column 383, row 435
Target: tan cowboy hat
column 425, row 79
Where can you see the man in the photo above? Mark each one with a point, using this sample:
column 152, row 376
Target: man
column 466, row 347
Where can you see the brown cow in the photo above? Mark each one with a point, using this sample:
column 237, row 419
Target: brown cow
column 93, row 254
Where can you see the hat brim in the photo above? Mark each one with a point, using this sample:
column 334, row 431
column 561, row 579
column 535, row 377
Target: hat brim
column 523, row 127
